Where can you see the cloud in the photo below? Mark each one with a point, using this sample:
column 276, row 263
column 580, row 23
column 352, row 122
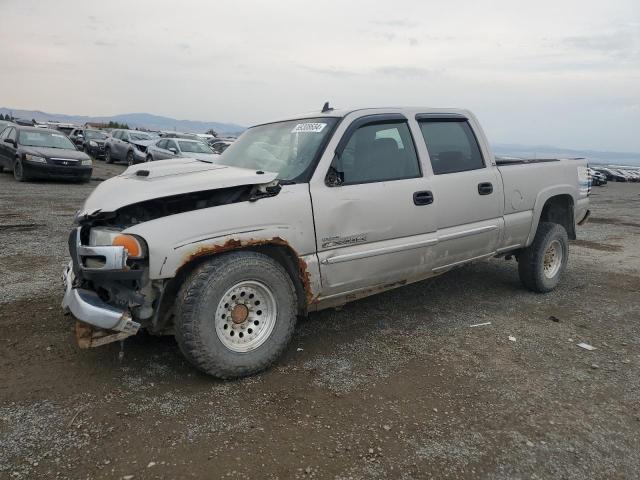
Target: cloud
column 622, row 43
column 102, row 43
column 406, row 72
column 398, row 23
column 329, row 70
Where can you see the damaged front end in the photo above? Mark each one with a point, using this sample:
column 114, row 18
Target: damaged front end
column 107, row 284
column 107, row 287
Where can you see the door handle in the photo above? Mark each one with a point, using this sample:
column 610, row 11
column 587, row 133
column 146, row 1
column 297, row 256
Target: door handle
column 485, row 188
column 423, row 198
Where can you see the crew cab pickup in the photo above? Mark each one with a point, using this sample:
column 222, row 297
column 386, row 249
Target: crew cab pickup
column 308, row 213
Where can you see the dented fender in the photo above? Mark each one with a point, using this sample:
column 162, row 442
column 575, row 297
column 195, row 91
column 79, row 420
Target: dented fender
column 283, row 220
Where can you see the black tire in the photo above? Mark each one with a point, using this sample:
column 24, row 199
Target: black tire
column 18, row 171
column 197, row 304
column 130, row 159
column 149, row 158
column 1, row 168
column 107, row 156
column 531, row 261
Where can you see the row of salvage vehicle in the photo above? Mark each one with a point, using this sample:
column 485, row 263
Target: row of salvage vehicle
column 32, row 152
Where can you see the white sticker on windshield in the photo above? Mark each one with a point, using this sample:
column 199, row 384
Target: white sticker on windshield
column 308, row 128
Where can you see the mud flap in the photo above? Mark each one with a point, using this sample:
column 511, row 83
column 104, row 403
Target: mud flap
column 89, row 337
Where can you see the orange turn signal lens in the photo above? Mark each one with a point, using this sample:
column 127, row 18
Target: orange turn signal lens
column 130, row 243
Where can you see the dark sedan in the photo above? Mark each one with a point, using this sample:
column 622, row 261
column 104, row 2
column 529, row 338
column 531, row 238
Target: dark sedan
column 42, row 153
column 94, row 141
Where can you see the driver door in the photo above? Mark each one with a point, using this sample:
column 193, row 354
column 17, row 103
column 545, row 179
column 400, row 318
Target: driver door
column 375, row 225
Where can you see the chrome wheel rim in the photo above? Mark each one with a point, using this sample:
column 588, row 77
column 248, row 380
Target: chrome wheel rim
column 246, row 316
column 552, row 259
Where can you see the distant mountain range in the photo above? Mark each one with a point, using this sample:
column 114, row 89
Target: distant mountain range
column 542, row 151
column 134, row 120
column 157, row 122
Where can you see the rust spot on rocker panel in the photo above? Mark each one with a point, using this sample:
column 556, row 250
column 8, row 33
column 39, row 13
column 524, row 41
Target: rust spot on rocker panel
column 235, row 244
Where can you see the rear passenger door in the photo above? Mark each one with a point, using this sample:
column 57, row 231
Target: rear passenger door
column 375, row 224
column 467, row 190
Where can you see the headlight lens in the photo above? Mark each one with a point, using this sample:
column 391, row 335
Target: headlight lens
column 87, row 162
column 135, row 246
column 34, row 158
column 93, row 143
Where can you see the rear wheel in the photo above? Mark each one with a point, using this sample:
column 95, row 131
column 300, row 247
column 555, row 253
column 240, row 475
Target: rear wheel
column 235, row 314
column 541, row 264
column 130, row 159
column 107, row 156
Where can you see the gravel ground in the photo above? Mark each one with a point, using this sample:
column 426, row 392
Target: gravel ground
column 393, row 386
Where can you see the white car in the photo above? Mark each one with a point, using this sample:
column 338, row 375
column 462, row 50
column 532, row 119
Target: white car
column 167, row 148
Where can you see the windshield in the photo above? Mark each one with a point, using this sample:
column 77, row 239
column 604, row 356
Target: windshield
column 194, row 147
column 94, row 135
column 44, row 139
column 139, row 136
column 286, row 148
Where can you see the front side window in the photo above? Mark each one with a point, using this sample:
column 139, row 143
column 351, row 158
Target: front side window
column 289, row 148
column 13, row 134
column 452, row 146
column 4, row 133
column 376, row 153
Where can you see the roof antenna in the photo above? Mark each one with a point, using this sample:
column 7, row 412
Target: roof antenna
column 326, row 108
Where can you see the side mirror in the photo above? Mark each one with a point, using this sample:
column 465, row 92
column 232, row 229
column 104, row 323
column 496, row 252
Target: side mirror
column 10, row 141
column 334, row 178
column 173, row 150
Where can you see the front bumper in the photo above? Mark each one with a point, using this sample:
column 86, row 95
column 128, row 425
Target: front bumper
column 42, row 170
column 86, row 305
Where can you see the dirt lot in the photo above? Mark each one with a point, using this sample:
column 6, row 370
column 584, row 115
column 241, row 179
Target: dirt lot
column 393, row 386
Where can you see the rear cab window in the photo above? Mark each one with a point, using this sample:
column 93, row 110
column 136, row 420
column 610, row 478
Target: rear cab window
column 451, row 144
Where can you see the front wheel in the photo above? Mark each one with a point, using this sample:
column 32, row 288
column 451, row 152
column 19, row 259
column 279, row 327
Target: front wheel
column 107, row 156
column 149, row 158
column 542, row 263
column 18, row 171
column 130, row 159
column 235, row 314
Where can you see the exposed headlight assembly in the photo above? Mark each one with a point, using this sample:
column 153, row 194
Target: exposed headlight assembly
column 134, row 245
column 87, row 162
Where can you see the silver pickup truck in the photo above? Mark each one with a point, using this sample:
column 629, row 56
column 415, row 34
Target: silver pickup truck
column 304, row 214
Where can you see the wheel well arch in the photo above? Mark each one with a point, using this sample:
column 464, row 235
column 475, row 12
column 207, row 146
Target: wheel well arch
column 559, row 209
column 277, row 249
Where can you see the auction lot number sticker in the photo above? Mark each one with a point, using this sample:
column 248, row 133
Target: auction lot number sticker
column 308, row 128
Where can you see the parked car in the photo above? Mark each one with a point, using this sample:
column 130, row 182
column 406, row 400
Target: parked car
column 65, row 128
column 32, row 152
column 127, row 145
column 219, row 146
column 93, row 142
column 6, row 123
column 305, row 214
column 597, row 178
column 613, row 175
column 178, row 147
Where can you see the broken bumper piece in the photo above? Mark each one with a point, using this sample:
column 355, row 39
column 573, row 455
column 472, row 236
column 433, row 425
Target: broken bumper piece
column 86, row 306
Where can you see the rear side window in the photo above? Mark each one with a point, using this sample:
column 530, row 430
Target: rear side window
column 378, row 152
column 452, row 146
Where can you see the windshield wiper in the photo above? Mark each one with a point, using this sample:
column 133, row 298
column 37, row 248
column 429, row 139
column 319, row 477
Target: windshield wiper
column 287, row 182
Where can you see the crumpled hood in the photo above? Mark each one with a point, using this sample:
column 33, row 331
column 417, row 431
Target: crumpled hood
column 166, row 178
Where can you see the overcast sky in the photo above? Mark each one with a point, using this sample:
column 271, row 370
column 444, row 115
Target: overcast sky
column 564, row 73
